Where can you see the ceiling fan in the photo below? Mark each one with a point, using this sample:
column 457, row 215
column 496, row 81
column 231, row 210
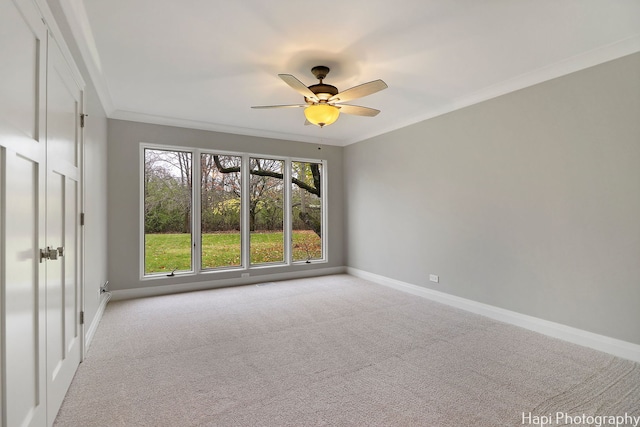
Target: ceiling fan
column 323, row 103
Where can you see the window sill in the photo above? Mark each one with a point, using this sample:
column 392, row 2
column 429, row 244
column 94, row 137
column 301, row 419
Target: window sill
column 238, row 270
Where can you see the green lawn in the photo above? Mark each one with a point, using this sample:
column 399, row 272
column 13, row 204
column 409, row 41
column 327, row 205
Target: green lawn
column 165, row 252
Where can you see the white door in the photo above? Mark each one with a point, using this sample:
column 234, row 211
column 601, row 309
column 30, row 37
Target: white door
column 40, row 152
column 64, row 333
column 23, row 42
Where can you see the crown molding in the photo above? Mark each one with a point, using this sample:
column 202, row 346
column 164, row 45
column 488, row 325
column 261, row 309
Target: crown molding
column 201, row 125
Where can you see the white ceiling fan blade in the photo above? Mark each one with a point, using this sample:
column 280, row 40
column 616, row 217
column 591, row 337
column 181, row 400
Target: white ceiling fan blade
column 359, row 91
column 357, row 110
column 299, row 87
column 281, row 106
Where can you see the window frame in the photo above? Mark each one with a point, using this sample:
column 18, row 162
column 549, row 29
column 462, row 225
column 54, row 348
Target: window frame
column 323, row 210
column 141, row 164
column 245, row 237
column 199, row 269
column 286, row 232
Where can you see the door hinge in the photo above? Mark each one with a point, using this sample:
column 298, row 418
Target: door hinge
column 82, row 116
column 82, row 317
column 82, row 218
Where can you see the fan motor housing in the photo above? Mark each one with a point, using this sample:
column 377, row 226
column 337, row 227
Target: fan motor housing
column 321, row 89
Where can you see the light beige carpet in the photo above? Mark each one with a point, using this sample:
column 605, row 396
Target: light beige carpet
column 332, row 351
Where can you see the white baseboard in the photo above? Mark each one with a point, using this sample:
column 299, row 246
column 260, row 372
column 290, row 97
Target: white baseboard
column 151, row 291
column 96, row 320
column 598, row 342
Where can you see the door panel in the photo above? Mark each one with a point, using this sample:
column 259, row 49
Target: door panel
column 64, row 337
column 62, row 113
column 24, row 314
column 55, row 276
column 23, row 40
column 70, row 259
column 22, row 225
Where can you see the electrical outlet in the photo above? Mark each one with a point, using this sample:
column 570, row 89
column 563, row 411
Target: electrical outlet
column 434, row 278
column 104, row 288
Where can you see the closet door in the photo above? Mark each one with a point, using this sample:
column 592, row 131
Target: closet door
column 64, row 332
column 22, row 204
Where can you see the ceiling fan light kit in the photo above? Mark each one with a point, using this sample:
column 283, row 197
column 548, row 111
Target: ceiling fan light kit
column 323, row 102
column 321, row 114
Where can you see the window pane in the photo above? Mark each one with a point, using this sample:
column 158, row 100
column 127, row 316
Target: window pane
column 306, row 211
column 266, row 211
column 167, row 211
column 221, row 208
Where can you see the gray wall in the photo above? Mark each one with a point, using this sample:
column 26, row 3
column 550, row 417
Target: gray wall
column 529, row 201
column 95, row 181
column 124, row 194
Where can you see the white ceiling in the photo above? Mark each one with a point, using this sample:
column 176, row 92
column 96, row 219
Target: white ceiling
column 204, row 63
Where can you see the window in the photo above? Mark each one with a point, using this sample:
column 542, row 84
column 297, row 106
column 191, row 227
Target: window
column 167, row 211
column 266, row 213
column 220, row 211
column 306, row 211
column 248, row 212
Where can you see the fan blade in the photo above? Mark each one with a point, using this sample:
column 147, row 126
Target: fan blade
column 357, row 110
column 359, row 91
column 299, row 87
column 282, row 106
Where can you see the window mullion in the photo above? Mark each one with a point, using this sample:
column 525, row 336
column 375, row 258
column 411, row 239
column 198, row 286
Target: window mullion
column 324, row 201
column 288, row 223
column 244, row 203
column 196, row 212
